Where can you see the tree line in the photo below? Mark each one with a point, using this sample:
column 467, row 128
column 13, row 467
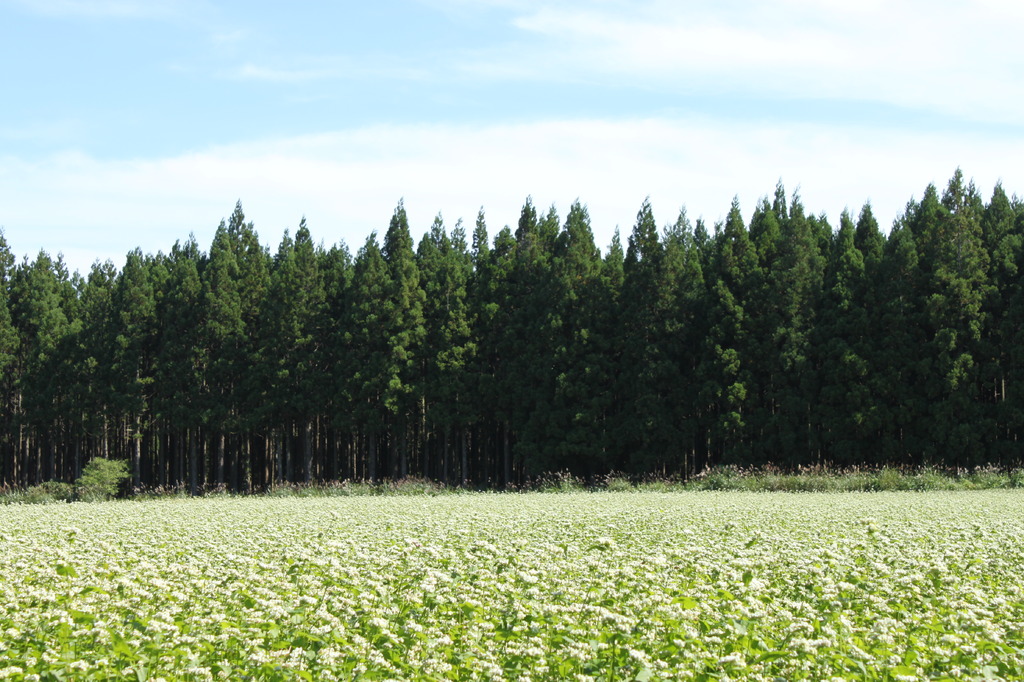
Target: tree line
column 474, row 361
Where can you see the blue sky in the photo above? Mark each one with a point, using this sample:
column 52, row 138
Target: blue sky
column 130, row 123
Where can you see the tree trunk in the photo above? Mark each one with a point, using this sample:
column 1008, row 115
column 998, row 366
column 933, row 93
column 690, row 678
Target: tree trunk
column 464, row 463
column 137, row 453
column 220, row 460
column 507, row 456
column 371, row 456
column 193, row 463
column 307, row 449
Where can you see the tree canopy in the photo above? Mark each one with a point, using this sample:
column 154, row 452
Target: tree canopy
column 479, row 361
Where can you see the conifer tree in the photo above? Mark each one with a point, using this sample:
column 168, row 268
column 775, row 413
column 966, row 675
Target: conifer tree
column 579, row 392
column 403, row 313
column 647, row 432
column 727, row 379
column 446, row 266
column 369, row 351
column 181, row 359
column 292, row 312
column 224, row 336
column 8, row 356
column 1003, row 243
column 959, row 287
column 685, row 327
column 845, row 409
column 336, row 270
column 135, row 345
column 902, row 366
column 41, row 322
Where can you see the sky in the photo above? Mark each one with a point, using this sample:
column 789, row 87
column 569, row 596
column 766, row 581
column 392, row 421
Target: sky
column 135, row 123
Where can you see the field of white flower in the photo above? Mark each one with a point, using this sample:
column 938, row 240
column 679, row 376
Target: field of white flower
column 587, row 586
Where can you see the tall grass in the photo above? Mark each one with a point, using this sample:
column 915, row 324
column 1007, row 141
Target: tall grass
column 820, row 479
column 764, row 479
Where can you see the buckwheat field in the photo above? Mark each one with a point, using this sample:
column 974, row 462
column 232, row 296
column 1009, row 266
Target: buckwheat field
column 584, row 586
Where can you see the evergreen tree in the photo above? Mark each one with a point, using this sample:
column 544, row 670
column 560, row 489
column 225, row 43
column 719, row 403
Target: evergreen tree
column 403, row 312
column 648, row 433
column 336, row 268
column 958, row 289
column 135, row 345
column 1003, row 244
column 369, row 351
column 449, row 347
column 38, row 315
column 580, row 389
column 292, row 313
column 903, row 369
column 181, row 359
column 727, row 379
column 8, row 356
column 845, row 411
column 223, row 331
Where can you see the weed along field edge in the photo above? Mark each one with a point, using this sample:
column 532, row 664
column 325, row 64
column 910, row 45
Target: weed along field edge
column 601, row 586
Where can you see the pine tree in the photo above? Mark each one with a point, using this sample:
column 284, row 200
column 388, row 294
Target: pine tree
column 685, row 328
column 797, row 281
column 735, row 273
column 336, row 268
column 181, row 359
column 903, row 369
column 38, row 315
column 368, row 350
column 959, row 286
column 579, row 392
column 223, row 331
column 1003, row 243
column 93, row 359
column 8, row 356
column 403, row 312
column 846, row 409
column 135, row 338
column 292, row 312
column 869, row 240
column 647, row 430
column 446, row 266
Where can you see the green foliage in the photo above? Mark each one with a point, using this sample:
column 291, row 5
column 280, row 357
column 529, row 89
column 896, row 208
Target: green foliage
column 886, row 479
column 474, row 362
column 558, row 482
column 101, row 479
column 871, row 586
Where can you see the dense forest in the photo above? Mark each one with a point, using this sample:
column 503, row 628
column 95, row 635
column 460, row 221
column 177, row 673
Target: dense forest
column 784, row 340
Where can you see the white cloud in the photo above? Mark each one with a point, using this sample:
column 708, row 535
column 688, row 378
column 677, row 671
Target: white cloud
column 278, row 75
column 954, row 58
column 348, row 183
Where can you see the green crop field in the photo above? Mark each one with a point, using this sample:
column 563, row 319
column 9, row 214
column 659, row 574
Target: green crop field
column 585, row 586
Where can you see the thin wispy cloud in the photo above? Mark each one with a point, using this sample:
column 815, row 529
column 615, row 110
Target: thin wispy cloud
column 910, row 54
column 137, row 133
column 320, row 69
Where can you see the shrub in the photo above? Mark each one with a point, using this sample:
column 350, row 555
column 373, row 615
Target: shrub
column 890, row 479
column 619, row 484
column 50, row 491
column 414, row 486
column 101, row 479
column 559, row 482
column 987, row 478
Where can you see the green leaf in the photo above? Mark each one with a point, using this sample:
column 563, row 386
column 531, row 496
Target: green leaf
column 66, row 570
